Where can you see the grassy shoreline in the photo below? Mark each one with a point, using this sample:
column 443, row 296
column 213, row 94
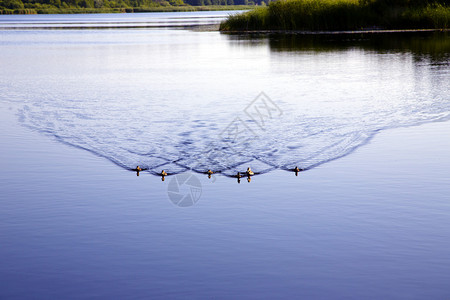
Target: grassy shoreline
column 339, row 15
column 124, row 10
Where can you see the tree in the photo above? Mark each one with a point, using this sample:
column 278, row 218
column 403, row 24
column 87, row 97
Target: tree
column 12, row 4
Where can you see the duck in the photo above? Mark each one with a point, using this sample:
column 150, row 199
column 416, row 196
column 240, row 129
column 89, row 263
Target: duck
column 138, row 169
column 238, row 175
column 163, row 173
column 250, row 172
column 210, row 172
column 296, row 170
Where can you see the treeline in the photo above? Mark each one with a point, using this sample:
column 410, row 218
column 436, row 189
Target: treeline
column 226, row 2
column 37, row 6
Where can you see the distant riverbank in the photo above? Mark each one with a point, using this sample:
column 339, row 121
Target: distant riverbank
column 56, row 10
column 342, row 15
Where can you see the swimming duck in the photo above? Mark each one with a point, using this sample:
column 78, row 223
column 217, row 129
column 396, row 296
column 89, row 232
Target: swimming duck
column 238, row 175
column 209, row 172
column 163, row 173
column 250, row 172
column 296, row 170
column 138, row 169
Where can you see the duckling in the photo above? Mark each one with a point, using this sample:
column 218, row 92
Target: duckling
column 250, row 172
column 163, row 173
column 209, row 173
column 138, row 169
column 238, row 175
column 296, row 170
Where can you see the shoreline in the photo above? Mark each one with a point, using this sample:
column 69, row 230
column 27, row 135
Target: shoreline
column 216, row 27
column 337, row 32
column 83, row 11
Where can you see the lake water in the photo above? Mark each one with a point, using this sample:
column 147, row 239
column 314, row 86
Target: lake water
column 84, row 99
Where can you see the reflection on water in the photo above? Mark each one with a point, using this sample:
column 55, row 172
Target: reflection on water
column 432, row 45
column 401, row 79
column 112, row 21
column 179, row 100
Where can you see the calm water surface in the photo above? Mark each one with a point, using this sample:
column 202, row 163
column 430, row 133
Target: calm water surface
column 84, row 103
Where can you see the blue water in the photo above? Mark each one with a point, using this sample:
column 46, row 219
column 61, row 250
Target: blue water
column 109, row 21
column 79, row 108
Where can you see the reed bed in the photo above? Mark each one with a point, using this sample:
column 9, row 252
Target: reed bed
column 335, row 15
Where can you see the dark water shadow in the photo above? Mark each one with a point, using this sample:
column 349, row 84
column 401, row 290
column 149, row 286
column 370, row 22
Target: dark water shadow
column 432, row 45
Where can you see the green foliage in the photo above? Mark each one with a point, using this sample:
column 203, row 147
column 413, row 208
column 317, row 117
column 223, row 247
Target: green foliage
column 12, row 4
column 432, row 16
column 108, row 6
column 404, row 3
column 331, row 15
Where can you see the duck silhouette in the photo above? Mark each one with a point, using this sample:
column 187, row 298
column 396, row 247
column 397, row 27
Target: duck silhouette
column 250, row 172
column 163, row 174
column 296, row 170
column 138, row 169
